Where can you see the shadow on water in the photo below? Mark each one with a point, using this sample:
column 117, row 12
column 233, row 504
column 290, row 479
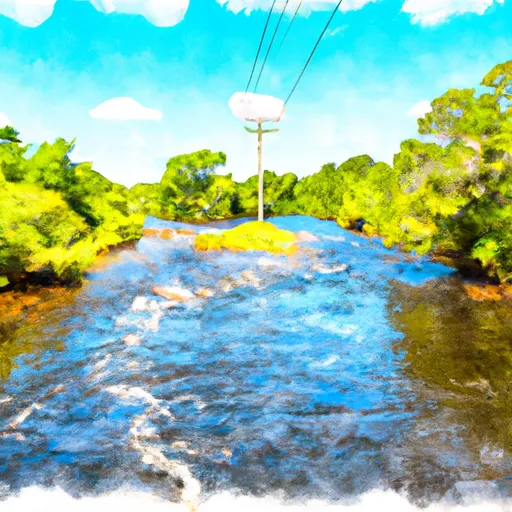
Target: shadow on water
column 458, row 354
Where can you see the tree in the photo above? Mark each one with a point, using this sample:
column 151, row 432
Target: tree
column 9, row 134
column 484, row 124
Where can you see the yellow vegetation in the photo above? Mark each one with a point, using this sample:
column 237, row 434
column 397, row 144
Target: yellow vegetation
column 251, row 236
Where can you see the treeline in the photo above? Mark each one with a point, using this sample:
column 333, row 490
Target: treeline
column 450, row 194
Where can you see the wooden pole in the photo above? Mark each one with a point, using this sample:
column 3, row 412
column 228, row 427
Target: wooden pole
column 260, row 131
column 260, row 174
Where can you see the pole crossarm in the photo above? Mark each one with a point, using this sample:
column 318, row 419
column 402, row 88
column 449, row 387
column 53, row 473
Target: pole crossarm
column 260, row 130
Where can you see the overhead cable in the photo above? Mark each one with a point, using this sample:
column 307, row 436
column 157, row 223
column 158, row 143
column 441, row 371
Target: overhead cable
column 313, row 52
column 270, row 45
column 261, row 44
column 289, row 27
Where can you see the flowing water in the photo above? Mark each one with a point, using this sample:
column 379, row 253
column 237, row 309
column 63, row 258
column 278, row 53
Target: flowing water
column 293, row 380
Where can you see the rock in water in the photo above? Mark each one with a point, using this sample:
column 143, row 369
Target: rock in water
column 484, row 292
column 322, row 269
column 205, row 292
column 173, row 293
column 164, row 234
column 305, row 236
column 131, row 340
column 249, row 278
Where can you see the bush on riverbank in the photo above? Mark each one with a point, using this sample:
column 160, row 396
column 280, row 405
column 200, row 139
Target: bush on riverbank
column 56, row 216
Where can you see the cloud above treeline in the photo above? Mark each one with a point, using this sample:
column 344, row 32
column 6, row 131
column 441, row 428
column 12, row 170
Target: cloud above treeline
column 423, row 12
column 161, row 13
column 420, row 109
column 125, row 109
column 4, row 120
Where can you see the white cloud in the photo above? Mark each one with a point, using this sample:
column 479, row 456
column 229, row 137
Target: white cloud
column 125, row 109
column 4, row 120
column 335, row 31
column 30, row 13
column 324, row 130
column 76, row 156
column 161, row 13
column 420, row 109
column 308, row 6
column 433, row 12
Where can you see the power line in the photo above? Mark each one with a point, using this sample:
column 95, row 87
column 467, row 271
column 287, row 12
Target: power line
column 270, row 45
column 289, row 27
column 261, row 44
column 313, row 52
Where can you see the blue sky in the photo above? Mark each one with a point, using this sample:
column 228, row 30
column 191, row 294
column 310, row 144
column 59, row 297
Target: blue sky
column 183, row 60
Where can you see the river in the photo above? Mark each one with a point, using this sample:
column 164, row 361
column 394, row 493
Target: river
column 382, row 386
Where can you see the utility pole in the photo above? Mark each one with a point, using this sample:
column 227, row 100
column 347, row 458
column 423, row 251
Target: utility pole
column 260, row 131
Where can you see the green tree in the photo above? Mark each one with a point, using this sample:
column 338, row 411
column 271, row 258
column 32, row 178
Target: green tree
column 8, row 133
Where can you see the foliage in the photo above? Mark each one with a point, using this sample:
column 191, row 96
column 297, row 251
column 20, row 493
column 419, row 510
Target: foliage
column 190, row 190
column 186, row 188
column 451, row 196
column 55, row 216
column 276, row 191
column 450, row 193
column 250, row 236
column 9, row 134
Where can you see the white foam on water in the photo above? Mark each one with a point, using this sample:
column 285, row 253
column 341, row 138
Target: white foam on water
column 324, row 364
column 152, row 455
column 24, row 415
column 322, row 269
column 334, row 238
column 153, row 323
column 190, row 398
column 56, row 500
column 268, row 262
column 139, row 304
column 5, row 400
column 319, row 320
column 128, row 393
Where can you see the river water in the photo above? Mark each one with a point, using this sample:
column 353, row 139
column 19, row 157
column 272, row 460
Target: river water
column 382, row 386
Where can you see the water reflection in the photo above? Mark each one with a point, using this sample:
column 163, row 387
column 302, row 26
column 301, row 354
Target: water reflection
column 458, row 352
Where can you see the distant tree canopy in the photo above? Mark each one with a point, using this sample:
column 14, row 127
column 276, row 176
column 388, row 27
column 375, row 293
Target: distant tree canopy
column 8, row 133
column 190, row 189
